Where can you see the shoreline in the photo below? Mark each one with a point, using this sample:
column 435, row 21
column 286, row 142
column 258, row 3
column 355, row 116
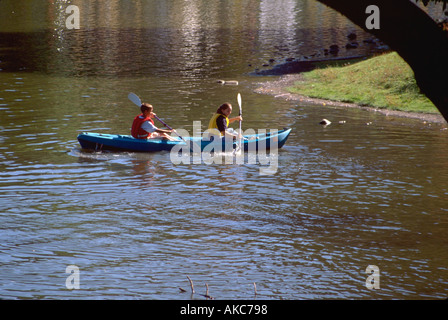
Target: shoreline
column 277, row 88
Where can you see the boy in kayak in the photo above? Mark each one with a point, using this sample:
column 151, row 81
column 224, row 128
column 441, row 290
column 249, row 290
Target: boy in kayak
column 143, row 126
column 220, row 121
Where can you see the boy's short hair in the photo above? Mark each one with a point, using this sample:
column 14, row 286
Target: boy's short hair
column 145, row 107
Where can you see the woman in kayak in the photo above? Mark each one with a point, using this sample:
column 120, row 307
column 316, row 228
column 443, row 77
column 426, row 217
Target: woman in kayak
column 143, row 126
column 220, row 121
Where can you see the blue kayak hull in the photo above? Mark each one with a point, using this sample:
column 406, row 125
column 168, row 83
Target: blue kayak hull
column 116, row 142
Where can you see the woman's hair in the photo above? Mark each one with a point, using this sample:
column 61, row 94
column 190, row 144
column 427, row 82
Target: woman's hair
column 145, row 107
column 223, row 107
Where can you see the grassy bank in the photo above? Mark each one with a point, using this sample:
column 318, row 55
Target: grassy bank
column 385, row 81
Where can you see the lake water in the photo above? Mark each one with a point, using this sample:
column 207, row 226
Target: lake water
column 370, row 191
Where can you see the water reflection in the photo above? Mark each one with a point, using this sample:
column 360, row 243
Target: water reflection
column 155, row 38
column 280, row 20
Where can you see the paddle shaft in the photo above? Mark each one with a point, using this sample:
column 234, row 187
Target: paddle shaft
column 163, row 122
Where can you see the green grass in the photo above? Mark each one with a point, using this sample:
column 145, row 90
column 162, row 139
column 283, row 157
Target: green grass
column 385, row 81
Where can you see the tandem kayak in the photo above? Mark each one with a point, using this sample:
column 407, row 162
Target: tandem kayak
column 118, row 142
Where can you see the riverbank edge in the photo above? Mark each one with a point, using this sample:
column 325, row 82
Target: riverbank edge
column 278, row 88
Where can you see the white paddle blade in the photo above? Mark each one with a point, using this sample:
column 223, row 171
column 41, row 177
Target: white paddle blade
column 238, row 97
column 135, row 99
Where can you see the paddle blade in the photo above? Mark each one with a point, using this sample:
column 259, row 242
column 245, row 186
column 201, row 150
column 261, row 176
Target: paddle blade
column 135, row 99
column 238, row 97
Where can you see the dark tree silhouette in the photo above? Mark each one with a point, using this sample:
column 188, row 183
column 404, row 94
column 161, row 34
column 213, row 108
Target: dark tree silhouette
column 414, row 35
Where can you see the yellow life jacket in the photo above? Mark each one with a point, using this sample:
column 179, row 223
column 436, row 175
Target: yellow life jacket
column 213, row 127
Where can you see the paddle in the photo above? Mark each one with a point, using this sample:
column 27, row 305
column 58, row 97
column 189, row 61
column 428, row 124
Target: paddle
column 136, row 100
column 238, row 97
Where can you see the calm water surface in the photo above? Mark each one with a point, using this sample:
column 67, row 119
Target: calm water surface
column 370, row 191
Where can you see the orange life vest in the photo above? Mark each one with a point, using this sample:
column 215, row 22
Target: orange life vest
column 136, row 130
